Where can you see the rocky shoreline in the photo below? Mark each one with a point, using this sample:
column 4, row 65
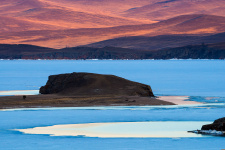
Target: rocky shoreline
column 216, row 128
column 53, row 100
column 209, row 132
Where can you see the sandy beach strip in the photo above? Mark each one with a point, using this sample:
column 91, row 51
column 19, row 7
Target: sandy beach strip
column 178, row 100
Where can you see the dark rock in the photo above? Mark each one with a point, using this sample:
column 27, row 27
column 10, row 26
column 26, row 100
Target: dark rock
column 93, row 84
column 217, row 128
column 218, row 125
column 208, row 132
column 24, row 97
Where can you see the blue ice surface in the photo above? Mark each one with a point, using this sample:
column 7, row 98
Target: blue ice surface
column 203, row 80
column 22, row 119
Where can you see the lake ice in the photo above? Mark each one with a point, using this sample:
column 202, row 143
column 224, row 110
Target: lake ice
column 202, row 80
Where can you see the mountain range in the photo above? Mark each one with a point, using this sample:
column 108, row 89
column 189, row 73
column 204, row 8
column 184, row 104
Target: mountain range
column 143, row 25
column 22, row 51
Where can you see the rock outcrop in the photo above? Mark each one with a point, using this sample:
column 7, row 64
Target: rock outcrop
column 216, row 128
column 93, row 84
column 218, row 125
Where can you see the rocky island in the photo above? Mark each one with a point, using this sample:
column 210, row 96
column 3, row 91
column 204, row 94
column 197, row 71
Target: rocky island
column 90, row 84
column 86, row 89
column 216, row 128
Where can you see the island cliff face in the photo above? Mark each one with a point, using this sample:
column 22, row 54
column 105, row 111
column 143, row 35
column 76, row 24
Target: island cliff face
column 218, row 125
column 77, row 84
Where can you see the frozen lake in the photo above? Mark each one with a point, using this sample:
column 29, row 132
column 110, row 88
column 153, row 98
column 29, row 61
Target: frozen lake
column 202, row 80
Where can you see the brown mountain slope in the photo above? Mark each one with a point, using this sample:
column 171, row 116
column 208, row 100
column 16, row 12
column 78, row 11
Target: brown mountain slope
column 61, row 23
column 73, row 19
column 104, row 13
column 10, row 24
column 188, row 24
column 114, row 7
column 158, row 42
column 191, row 24
column 165, row 9
column 36, row 11
column 11, row 8
column 147, row 10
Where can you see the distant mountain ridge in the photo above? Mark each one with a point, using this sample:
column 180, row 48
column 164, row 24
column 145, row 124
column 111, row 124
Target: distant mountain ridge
column 211, row 51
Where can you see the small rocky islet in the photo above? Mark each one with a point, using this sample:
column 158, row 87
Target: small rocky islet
column 216, row 128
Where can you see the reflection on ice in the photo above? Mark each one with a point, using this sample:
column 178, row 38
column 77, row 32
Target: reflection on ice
column 170, row 129
column 19, row 92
